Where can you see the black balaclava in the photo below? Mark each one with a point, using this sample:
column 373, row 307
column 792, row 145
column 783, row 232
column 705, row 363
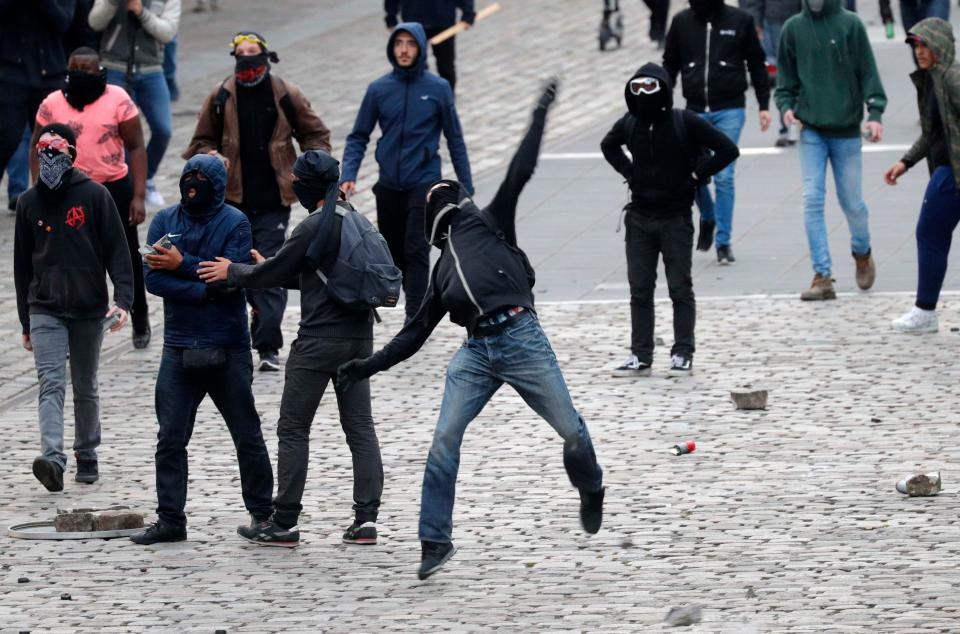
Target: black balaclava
column 203, row 199
column 318, row 178
column 250, row 70
column 84, row 88
column 706, row 10
column 443, row 205
column 655, row 107
column 55, row 166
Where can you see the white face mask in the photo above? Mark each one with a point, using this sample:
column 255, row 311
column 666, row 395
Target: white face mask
column 816, row 6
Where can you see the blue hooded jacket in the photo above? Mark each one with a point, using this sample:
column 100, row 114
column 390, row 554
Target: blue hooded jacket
column 412, row 106
column 197, row 314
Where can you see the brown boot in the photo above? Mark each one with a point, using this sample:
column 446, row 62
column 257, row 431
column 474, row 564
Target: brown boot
column 820, row 289
column 866, row 271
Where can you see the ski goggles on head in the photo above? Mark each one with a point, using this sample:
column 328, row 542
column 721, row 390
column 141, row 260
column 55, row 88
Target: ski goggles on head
column 54, row 143
column 644, row 85
column 240, row 38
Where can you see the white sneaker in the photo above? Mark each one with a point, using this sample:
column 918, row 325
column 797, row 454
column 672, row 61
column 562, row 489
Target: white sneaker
column 632, row 367
column 153, row 197
column 916, row 320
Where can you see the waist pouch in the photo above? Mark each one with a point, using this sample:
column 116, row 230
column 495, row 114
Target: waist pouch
column 204, row 358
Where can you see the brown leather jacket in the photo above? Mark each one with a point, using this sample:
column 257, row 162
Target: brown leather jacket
column 222, row 133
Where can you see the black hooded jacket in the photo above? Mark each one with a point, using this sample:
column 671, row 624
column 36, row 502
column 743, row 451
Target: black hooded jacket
column 481, row 269
column 708, row 46
column 662, row 174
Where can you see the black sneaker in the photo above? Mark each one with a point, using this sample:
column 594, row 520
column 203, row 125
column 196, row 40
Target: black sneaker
column 12, row 203
column 632, row 367
column 591, row 509
column 725, row 254
column 680, row 366
column 434, row 555
column 159, row 532
column 364, row 534
column 141, row 336
column 269, row 533
column 49, row 473
column 269, row 362
column 88, row 471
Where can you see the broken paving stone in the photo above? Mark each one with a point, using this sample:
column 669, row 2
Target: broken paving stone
column 66, row 597
column 687, row 615
column 751, row 593
column 81, row 522
column 220, row 632
column 920, row 485
column 753, row 399
column 626, row 543
column 658, row 341
column 874, row 420
column 117, row 520
column 23, row 580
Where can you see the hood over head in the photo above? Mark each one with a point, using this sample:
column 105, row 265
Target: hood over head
column 650, row 107
column 830, row 7
column 937, row 34
column 215, row 172
column 445, row 203
column 416, row 30
column 707, row 10
column 318, row 178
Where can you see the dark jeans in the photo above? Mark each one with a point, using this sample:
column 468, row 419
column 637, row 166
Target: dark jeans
column 151, row 94
column 178, row 395
column 400, row 220
column 658, row 18
column 647, row 239
column 267, row 304
column 912, row 11
column 521, row 357
column 122, row 193
column 446, row 56
column 939, row 216
column 18, row 109
column 312, row 364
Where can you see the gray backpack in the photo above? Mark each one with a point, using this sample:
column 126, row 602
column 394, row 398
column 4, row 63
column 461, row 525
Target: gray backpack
column 363, row 275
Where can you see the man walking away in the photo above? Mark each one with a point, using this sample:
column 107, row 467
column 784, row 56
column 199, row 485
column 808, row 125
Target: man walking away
column 206, row 347
column 826, row 75
column 412, row 107
column 937, row 79
column 435, row 16
column 709, row 46
column 67, row 234
column 252, row 119
column 107, row 125
column 134, row 35
column 330, row 334
column 669, row 163
column 485, row 282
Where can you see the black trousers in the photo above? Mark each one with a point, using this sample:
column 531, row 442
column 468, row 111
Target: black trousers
column 312, row 365
column 647, row 240
column 400, row 220
column 178, row 394
column 267, row 304
column 446, row 56
column 122, row 193
column 18, row 109
column 659, row 10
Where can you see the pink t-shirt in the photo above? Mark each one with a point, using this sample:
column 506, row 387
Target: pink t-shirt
column 100, row 151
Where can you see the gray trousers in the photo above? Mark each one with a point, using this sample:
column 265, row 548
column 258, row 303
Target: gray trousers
column 52, row 338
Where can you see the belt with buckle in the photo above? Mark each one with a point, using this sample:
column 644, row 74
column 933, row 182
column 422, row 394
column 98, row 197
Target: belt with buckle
column 498, row 322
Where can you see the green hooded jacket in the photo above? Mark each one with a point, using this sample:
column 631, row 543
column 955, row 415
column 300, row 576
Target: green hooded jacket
column 826, row 71
column 945, row 75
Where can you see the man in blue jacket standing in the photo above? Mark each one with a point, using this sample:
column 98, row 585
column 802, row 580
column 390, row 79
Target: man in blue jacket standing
column 206, row 345
column 436, row 16
column 412, row 107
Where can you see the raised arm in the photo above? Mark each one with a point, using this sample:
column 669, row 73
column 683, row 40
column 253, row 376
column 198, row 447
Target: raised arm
column 163, row 26
column 102, row 12
column 503, row 208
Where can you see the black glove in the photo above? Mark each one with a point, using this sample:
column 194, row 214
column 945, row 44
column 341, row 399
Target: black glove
column 352, row 372
column 705, row 239
column 550, row 89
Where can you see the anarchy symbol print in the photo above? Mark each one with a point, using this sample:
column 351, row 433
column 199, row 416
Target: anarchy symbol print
column 76, row 217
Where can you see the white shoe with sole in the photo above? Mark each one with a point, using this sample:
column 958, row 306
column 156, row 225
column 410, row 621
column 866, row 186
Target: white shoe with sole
column 916, row 320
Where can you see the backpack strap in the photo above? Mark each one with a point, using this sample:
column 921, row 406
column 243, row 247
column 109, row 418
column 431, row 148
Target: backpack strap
column 219, row 105
column 331, row 259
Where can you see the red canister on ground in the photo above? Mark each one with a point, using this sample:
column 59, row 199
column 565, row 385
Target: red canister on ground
column 684, row 447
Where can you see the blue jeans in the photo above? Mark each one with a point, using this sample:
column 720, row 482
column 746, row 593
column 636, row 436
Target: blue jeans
column 939, row 216
column 729, row 121
column 18, row 169
column 178, row 394
column 170, row 68
column 844, row 155
column 53, row 339
column 912, row 12
column 521, row 357
column 149, row 91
